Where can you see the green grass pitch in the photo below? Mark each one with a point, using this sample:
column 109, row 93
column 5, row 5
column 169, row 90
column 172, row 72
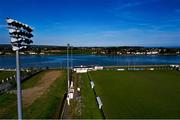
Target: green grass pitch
column 139, row 94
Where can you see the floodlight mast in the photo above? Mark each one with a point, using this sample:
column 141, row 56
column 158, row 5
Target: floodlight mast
column 20, row 35
column 68, row 78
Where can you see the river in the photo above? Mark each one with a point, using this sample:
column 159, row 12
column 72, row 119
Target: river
column 104, row 60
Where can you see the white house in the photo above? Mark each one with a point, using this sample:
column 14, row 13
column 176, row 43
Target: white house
column 121, row 69
column 175, row 66
column 22, row 53
column 1, row 69
column 152, row 53
column 32, row 53
column 42, row 53
column 98, row 67
column 151, row 69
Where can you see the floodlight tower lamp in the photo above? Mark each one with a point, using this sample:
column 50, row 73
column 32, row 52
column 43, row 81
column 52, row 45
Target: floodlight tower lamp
column 12, row 30
column 20, row 35
column 13, row 40
column 9, row 20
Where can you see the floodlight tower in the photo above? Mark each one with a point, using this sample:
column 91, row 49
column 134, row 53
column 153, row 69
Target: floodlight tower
column 20, row 35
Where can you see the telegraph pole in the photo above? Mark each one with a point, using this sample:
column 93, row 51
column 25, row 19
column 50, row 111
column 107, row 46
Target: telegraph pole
column 71, row 57
column 68, row 66
column 68, row 99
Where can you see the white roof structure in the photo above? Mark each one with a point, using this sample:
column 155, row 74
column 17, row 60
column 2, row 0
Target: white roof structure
column 82, row 69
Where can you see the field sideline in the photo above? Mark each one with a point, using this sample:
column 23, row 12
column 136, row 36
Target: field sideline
column 139, row 94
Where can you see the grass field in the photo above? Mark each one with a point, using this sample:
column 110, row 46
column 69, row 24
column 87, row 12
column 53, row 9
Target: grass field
column 47, row 105
column 139, row 94
column 89, row 108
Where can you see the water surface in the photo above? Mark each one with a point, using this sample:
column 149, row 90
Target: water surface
column 105, row 60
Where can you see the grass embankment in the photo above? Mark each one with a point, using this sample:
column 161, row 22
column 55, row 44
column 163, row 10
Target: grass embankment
column 89, row 107
column 45, row 106
column 8, row 106
column 6, row 74
column 139, row 94
column 33, row 80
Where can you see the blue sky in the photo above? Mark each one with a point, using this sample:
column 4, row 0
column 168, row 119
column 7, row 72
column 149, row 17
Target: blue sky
column 96, row 22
